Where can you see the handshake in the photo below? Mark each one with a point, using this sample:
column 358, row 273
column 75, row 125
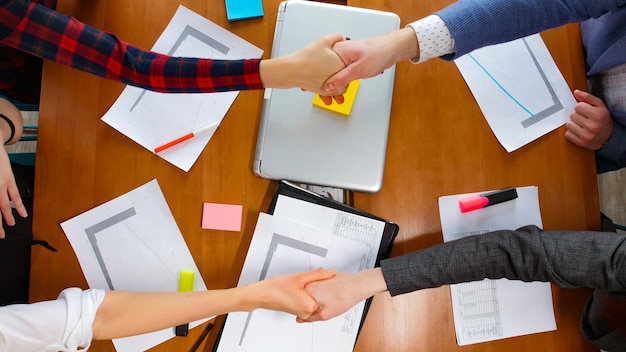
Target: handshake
column 315, row 295
column 327, row 65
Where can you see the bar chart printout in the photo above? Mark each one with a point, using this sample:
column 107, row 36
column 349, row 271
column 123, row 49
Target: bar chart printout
column 496, row 309
column 479, row 310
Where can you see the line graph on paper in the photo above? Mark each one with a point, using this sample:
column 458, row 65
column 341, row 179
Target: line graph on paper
column 518, row 88
column 553, row 105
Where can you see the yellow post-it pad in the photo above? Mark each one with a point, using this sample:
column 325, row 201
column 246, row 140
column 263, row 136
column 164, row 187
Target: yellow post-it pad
column 348, row 100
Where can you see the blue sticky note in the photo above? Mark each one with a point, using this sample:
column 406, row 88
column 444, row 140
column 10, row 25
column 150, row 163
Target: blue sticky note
column 242, row 9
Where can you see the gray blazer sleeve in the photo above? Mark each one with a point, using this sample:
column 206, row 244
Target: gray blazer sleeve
column 566, row 258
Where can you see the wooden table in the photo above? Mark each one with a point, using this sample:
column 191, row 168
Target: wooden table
column 439, row 144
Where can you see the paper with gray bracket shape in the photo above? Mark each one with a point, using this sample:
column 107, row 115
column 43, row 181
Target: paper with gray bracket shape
column 496, row 309
column 519, row 90
column 132, row 243
column 280, row 246
column 153, row 119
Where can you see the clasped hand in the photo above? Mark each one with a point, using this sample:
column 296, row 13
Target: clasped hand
column 327, row 65
column 317, row 295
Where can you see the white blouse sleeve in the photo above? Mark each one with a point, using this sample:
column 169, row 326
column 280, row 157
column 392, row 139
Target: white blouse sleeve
column 64, row 324
column 434, row 38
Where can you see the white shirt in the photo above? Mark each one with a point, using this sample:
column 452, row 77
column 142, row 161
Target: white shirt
column 434, row 38
column 64, row 324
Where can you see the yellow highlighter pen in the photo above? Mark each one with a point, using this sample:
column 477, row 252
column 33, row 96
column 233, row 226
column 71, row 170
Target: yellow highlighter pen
column 184, row 285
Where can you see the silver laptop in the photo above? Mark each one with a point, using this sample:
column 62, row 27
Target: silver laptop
column 300, row 142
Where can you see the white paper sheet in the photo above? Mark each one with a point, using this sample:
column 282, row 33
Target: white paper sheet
column 132, row 243
column 153, row 119
column 280, row 246
column 496, row 309
column 340, row 223
column 519, row 89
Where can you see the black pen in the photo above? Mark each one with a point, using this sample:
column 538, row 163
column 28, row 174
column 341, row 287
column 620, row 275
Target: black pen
column 201, row 338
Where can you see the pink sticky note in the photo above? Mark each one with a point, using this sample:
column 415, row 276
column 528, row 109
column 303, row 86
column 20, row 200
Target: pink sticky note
column 222, row 216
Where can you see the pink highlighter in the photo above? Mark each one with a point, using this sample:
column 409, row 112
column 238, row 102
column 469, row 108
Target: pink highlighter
column 487, row 199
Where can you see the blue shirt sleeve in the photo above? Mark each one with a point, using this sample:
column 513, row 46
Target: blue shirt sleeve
column 478, row 23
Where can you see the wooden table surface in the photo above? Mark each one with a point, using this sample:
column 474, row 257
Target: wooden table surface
column 439, row 144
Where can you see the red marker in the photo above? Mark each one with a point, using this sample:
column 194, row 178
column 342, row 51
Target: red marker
column 484, row 200
column 185, row 137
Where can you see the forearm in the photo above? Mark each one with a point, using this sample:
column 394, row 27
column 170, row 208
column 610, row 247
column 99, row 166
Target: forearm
column 105, row 55
column 403, row 45
column 567, row 259
column 368, row 283
column 278, row 72
column 132, row 313
column 478, row 23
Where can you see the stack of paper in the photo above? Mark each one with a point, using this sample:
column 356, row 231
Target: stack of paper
column 299, row 237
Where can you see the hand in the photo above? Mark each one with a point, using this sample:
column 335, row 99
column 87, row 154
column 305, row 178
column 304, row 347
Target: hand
column 8, row 188
column 9, row 192
column 340, row 293
column 307, row 68
column 286, row 293
column 318, row 61
column 367, row 58
column 590, row 124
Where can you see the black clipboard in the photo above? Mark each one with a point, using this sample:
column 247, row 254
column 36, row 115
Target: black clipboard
column 390, row 231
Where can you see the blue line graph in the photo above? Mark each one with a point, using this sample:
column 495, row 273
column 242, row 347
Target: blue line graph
column 534, row 117
column 499, row 85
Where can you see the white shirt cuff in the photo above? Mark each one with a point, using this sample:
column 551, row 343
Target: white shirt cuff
column 434, row 38
column 64, row 324
column 81, row 313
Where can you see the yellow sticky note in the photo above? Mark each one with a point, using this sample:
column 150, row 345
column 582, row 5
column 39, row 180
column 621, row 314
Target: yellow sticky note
column 348, row 100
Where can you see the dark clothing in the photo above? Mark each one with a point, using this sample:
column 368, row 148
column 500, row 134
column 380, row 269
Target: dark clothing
column 566, row 258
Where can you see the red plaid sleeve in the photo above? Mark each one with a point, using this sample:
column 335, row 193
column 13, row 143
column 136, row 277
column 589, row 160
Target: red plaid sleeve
column 45, row 33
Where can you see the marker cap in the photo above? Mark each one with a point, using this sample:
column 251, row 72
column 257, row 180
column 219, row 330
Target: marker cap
column 487, row 199
column 473, row 203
